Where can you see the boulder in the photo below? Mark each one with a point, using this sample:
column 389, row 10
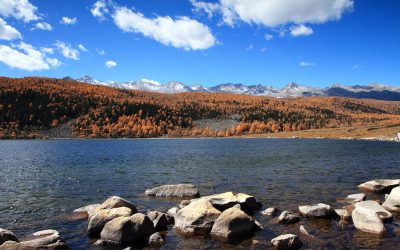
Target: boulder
column 171, row 213
column 392, row 202
column 287, row 241
column 177, row 190
column 271, row 211
column 46, row 239
column 87, row 210
column 380, row 185
column 184, row 203
column 116, row 202
column 234, row 224
column 197, row 218
column 229, row 199
column 305, row 232
column 6, row 235
column 353, row 198
column 102, row 216
column 156, row 240
column 159, row 220
column 343, row 214
column 368, row 216
column 287, row 217
column 125, row 230
column 319, row 210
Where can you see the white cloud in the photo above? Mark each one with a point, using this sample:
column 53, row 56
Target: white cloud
column 111, row 64
column 272, row 13
column 250, row 47
column 69, row 20
column 47, row 50
column 206, row 7
column 19, row 9
column 99, row 9
column 151, row 81
column 83, row 48
column 182, row 32
column 67, row 51
column 307, row 64
column 26, row 57
column 356, row 67
column 268, row 36
column 8, row 32
column 101, row 52
column 43, row 26
column 301, row 30
column 263, row 49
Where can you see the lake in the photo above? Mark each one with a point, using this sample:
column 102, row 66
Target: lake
column 42, row 181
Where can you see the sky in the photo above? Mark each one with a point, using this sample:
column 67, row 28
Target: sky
column 268, row 42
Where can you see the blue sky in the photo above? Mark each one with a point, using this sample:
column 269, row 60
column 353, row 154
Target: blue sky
column 269, row 42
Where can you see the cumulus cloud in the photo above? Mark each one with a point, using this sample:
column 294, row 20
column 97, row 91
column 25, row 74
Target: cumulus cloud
column 301, row 30
column 8, row 32
column 111, row 64
column 209, row 8
column 182, row 32
column 83, row 48
column 99, row 9
column 43, row 26
column 307, row 64
column 19, row 9
column 268, row 36
column 24, row 56
column 69, row 20
column 67, row 51
column 272, row 13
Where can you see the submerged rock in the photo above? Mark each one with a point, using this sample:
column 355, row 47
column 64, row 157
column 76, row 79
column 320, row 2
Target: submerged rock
column 46, row 239
column 159, row 220
column 102, row 216
column 156, row 240
column 227, row 200
column 125, row 230
column 316, row 211
column 392, row 202
column 380, row 185
column 287, row 217
column 353, row 198
column 271, row 211
column 234, row 224
column 368, row 216
column 197, row 218
column 305, row 232
column 176, row 190
column 7, row 235
column 287, row 241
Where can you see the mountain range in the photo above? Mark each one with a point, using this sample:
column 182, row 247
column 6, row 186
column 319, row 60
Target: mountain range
column 370, row 91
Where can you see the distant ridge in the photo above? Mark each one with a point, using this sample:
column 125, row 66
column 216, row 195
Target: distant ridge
column 371, row 91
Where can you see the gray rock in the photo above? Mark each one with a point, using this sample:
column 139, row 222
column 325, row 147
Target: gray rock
column 305, row 232
column 159, row 220
column 392, row 202
column 197, row 218
column 353, row 198
column 380, row 185
column 88, row 210
column 287, row 217
column 229, row 199
column 6, row 235
column 234, row 224
column 116, row 202
column 343, row 214
column 46, row 239
column 102, row 216
column 177, row 190
column 287, row 241
column 271, row 211
column 184, row 203
column 368, row 216
column 125, row 230
column 156, row 240
column 319, row 210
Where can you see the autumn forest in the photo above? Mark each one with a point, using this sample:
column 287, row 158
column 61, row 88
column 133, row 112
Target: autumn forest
column 31, row 105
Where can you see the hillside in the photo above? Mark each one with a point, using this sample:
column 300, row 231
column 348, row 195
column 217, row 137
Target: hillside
column 29, row 106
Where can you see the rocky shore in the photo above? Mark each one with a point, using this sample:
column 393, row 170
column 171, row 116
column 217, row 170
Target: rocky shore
column 229, row 217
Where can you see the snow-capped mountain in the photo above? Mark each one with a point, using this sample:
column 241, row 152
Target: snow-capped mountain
column 372, row 91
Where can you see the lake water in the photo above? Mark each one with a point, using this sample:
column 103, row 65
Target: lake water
column 41, row 182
